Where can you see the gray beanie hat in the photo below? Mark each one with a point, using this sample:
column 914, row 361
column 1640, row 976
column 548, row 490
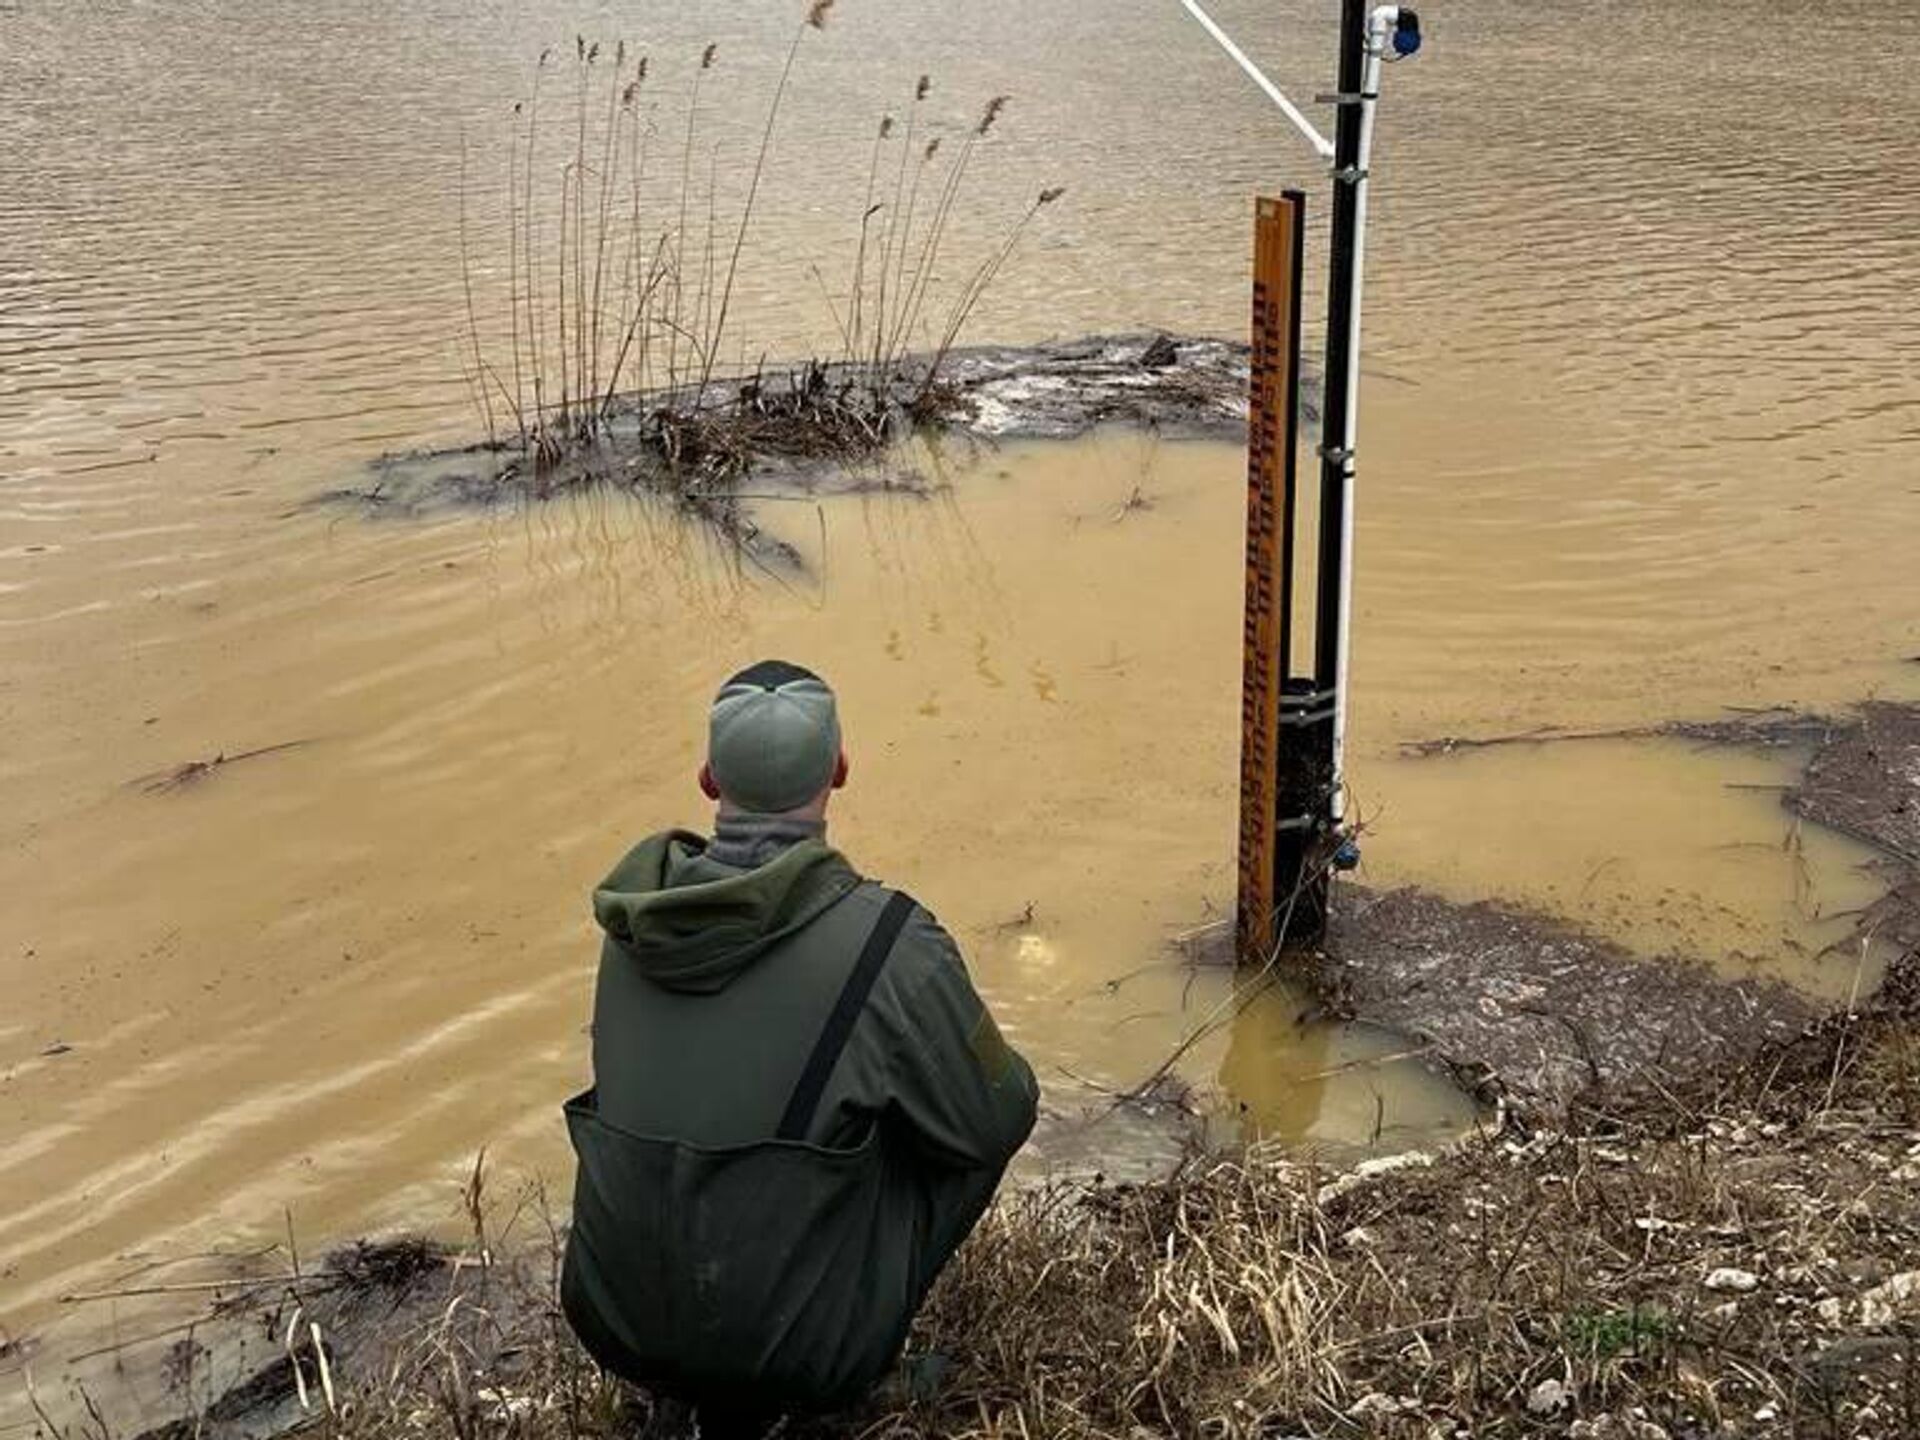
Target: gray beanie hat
column 773, row 738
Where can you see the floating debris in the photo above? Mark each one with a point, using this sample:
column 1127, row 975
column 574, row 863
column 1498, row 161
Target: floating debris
column 161, row 782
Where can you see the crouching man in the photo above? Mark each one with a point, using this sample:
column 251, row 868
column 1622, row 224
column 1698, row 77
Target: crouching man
column 800, row 1106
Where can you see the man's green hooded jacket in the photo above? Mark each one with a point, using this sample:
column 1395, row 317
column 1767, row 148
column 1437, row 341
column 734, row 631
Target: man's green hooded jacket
column 708, row 1257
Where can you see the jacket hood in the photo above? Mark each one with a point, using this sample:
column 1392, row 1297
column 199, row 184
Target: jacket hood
column 691, row 924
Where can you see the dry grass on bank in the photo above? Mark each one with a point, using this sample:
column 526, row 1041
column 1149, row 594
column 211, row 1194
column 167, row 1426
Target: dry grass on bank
column 1727, row 1262
column 1737, row 1257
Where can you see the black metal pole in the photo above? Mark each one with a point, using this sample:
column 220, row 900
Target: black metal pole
column 1336, row 402
column 1304, row 848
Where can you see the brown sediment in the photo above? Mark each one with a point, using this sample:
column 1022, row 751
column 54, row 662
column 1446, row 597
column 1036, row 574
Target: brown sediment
column 1767, row 727
column 1865, row 781
column 1533, row 1010
column 1539, row 1012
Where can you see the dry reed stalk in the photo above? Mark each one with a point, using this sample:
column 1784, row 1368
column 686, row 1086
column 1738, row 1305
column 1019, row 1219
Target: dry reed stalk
column 857, row 294
column 894, row 235
column 982, row 279
column 483, row 373
column 920, row 92
column 642, row 277
column 513, row 280
column 816, row 19
column 936, row 232
column 560, row 279
column 609, row 158
column 676, row 326
column 536, row 318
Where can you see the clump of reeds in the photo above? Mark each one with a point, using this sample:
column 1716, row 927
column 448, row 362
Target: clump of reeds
column 621, row 285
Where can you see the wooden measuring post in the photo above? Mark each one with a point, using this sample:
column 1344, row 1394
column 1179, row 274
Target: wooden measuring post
column 1274, row 830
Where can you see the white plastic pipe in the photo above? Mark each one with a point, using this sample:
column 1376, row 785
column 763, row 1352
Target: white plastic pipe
column 1380, row 27
column 1322, row 146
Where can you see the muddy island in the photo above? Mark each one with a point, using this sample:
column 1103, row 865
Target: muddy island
column 818, row 428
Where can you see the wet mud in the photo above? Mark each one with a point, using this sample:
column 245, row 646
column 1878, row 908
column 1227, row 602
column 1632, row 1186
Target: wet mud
column 787, row 430
column 1866, row 784
column 1535, row 1013
column 1187, row 387
column 1531, row 1011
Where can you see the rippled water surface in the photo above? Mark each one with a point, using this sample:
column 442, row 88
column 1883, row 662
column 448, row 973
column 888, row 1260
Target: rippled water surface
column 1641, row 426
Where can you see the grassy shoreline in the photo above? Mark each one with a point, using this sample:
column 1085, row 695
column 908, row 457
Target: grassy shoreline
column 1734, row 1255
column 1709, row 1243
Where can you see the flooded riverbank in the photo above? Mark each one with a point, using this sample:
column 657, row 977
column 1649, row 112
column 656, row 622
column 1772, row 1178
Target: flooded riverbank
column 1640, row 436
column 332, row 973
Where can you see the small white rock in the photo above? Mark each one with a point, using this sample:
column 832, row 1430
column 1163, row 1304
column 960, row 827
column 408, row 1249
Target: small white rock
column 1377, row 1404
column 1549, row 1397
column 1883, row 1304
column 1739, row 1282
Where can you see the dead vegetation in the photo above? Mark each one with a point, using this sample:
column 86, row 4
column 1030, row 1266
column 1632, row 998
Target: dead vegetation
column 614, row 354
column 1732, row 1257
column 194, row 772
column 1766, row 727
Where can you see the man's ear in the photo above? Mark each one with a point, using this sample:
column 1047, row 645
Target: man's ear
column 840, row 771
column 708, row 787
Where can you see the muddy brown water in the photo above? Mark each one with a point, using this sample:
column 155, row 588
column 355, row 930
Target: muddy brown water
column 1641, row 425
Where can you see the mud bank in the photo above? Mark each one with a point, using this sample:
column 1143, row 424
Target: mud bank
column 1732, row 1256
column 1700, row 1219
column 791, row 429
column 1183, row 386
column 1536, row 1013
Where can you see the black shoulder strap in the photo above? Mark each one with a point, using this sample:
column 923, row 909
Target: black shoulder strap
column 846, row 1010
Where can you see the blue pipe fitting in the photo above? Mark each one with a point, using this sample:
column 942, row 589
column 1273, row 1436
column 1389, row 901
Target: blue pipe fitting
column 1406, row 34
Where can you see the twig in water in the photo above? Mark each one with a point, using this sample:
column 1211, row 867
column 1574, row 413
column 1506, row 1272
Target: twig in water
column 204, row 1287
column 1366, row 1062
column 1239, row 997
column 1022, row 921
column 193, row 771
